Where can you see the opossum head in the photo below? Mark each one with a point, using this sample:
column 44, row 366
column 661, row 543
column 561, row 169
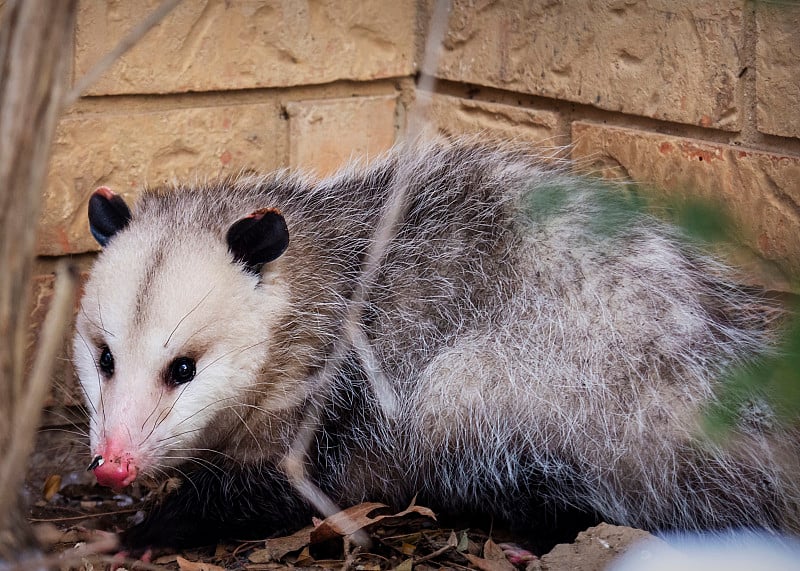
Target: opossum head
column 175, row 325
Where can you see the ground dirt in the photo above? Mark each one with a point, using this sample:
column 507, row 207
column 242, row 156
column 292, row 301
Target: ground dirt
column 71, row 510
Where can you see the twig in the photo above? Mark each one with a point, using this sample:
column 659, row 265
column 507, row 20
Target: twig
column 80, row 517
column 28, row 411
column 433, row 554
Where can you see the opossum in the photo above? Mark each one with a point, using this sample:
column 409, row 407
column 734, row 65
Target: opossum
column 549, row 350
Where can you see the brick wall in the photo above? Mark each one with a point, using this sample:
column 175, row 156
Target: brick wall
column 698, row 96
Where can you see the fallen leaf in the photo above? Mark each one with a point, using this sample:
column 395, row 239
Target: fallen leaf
column 489, row 564
column 463, row 543
column 406, row 565
column 345, row 522
column 493, row 552
column 494, row 559
column 341, row 524
column 277, row 547
column 412, row 509
column 186, row 565
column 351, row 520
column 51, row 486
column 221, row 551
column 304, row 559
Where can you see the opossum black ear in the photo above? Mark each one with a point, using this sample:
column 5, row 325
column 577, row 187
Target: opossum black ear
column 259, row 238
column 108, row 214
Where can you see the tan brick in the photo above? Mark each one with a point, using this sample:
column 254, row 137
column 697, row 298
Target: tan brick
column 455, row 116
column 325, row 133
column 214, row 45
column 778, row 68
column 128, row 151
column 669, row 59
column 758, row 188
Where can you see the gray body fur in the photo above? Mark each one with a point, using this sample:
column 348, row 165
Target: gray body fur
column 539, row 356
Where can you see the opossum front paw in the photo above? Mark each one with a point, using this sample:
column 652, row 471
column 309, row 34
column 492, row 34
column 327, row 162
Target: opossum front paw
column 123, row 558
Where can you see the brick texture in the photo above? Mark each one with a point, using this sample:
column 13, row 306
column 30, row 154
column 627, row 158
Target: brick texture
column 127, row 151
column 453, row 116
column 676, row 60
column 778, row 68
column 325, row 134
column 206, row 46
column 758, row 188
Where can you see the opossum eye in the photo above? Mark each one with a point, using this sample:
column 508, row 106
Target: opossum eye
column 106, row 361
column 181, row 370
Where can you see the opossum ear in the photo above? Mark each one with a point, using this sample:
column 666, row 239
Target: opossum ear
column 108, row 214
column 258, row 238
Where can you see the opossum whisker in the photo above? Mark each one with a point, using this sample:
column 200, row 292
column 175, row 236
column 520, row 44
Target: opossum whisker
column 99, row 378
column 164, row 442
column 164, row 413
column 69, row 421
column 99, row 326
column 100, row 316
column 62, row 430
column 156, row 424
column 206, row 407
column 208, row 451
column 201, row 462
column 198, row 304
column 237, row 350
column 269, row 413
column 68, row 418
column 149, row 416
column 247, row 427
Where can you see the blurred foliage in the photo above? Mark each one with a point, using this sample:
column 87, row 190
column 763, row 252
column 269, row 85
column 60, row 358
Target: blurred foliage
column 773, row 379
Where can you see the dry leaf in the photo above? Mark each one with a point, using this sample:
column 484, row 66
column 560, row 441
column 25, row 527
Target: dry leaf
column 493, row 552
column 341, row 524
column 186, row 565
column 304, row 559
column 463, row 543
column 345, row 522
column 489, row 564
column 221, row 551
column 494, row 559
column 353, row 519
column 51, row 486
column 412, row 509
column 277, row 547
column 406, row 565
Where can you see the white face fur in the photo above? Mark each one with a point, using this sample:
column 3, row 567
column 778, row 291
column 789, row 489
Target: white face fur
column 167, row 336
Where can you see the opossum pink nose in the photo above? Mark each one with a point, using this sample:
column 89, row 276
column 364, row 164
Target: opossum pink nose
column 116, row 472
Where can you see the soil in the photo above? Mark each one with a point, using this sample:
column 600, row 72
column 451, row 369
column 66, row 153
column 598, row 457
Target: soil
column 71, row 510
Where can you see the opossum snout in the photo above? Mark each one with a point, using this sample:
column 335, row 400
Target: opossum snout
column 116, row 471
